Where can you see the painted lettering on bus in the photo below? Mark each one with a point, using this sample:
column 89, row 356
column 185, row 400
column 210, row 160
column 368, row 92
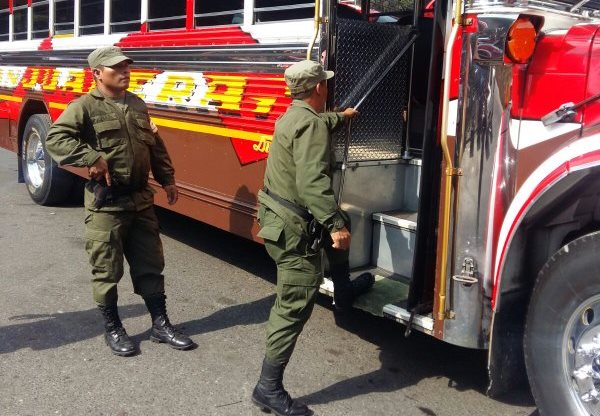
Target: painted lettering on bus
column 231, row 93
column 10, row 76
column 263, row 145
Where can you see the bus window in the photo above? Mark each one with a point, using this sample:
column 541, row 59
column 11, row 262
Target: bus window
column 217, row 13
column 19, row 19
column 125, row 16
column 40, row 10
column 390, row 6
column 166, row 14
column 4, row 16
column 382, row 11
column 64, row 16
column 273, row 10
column 91, row 18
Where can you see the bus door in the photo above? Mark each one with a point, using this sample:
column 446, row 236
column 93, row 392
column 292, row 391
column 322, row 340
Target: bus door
column 377, row 179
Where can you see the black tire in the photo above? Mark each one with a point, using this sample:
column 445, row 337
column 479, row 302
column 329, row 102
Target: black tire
column 563, row 316
column 46, row 182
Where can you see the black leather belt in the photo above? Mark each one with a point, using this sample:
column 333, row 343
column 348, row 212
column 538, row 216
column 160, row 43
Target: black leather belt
column 295, row 208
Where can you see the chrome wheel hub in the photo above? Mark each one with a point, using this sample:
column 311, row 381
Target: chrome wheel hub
column 581, row 353
column 35, row 161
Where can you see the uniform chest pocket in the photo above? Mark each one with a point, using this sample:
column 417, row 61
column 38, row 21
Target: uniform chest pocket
column 108, row 133
column 144, row 131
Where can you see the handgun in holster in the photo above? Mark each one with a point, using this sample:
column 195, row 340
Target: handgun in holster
column 103, row 193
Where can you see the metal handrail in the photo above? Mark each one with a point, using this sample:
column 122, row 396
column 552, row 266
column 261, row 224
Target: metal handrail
column 450, row 170
column 316, row 30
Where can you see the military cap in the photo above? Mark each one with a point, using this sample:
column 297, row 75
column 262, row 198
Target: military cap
column 303, row 76
column 107, row 56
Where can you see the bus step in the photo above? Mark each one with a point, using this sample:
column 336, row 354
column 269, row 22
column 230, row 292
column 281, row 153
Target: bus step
column 394, row 236
column 387, row 298
column 423, row 323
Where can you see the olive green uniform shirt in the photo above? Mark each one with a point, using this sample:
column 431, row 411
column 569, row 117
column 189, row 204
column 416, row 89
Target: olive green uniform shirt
column 93, row 126
column 301, row 162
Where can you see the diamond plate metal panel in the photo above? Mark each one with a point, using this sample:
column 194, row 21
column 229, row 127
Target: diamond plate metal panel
column 364, row 51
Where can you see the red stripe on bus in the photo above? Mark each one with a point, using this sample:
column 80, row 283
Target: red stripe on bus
column 547, row 181
column 565, row 167
column 226, row 35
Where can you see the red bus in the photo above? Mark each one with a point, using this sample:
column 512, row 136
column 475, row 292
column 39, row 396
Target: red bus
column 471, row 175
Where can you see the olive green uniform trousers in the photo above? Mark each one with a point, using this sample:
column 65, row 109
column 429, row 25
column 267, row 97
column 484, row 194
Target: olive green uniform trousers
column 133, row 235
column 299, row 275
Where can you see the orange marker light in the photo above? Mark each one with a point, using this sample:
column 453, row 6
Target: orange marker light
column 520, row 42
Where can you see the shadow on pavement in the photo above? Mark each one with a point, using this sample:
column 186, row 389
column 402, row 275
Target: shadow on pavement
column 47, row 331
column 250, row 313
column 230, row 248
column 405, row 362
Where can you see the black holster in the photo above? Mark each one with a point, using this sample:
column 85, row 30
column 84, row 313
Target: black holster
column 316, row 233
column 104, row 194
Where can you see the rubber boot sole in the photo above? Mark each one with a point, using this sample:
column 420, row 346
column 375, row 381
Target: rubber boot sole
column 175, row 347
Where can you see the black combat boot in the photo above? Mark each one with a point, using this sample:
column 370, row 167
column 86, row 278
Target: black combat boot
column 346, row 290
column 162, row 330
column 115, row 336
column 270, row 395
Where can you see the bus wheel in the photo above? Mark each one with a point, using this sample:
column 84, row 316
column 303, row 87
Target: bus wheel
column 46, row 182
column 562, row 332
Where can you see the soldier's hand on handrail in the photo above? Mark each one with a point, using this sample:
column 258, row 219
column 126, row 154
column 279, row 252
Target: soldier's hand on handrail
column 341, row 239
column 350, row 112
column 99, row 170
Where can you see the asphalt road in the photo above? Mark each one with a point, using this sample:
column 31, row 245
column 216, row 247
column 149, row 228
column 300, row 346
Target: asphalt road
column 53, row 360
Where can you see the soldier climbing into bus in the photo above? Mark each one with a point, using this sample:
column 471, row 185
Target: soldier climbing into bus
column 298, row 200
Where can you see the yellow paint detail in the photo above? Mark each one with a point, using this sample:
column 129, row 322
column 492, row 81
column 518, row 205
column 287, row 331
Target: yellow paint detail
column 217, row 131
column 226, row 90
column 50, row 79
column 137, row 80
column 264, row 104
column 75, row 81
column 58, row 106
column 30, row 79
column 13, row 77
column 11, row 98
column 64, row 35
column 177, row 90
column 264, row 145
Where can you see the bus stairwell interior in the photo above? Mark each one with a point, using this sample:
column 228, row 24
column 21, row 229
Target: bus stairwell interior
column 379, row 188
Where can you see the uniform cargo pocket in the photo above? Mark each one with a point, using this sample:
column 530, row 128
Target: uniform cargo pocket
column 107, row 132
column 145, row 131
column 271, row 232
column 271, row 225
column 293, row 277
column 98, row 235
column 101, row 252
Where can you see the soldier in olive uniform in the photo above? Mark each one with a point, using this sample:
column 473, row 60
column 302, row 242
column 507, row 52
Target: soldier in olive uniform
column 110, row 132
column 298, row 191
